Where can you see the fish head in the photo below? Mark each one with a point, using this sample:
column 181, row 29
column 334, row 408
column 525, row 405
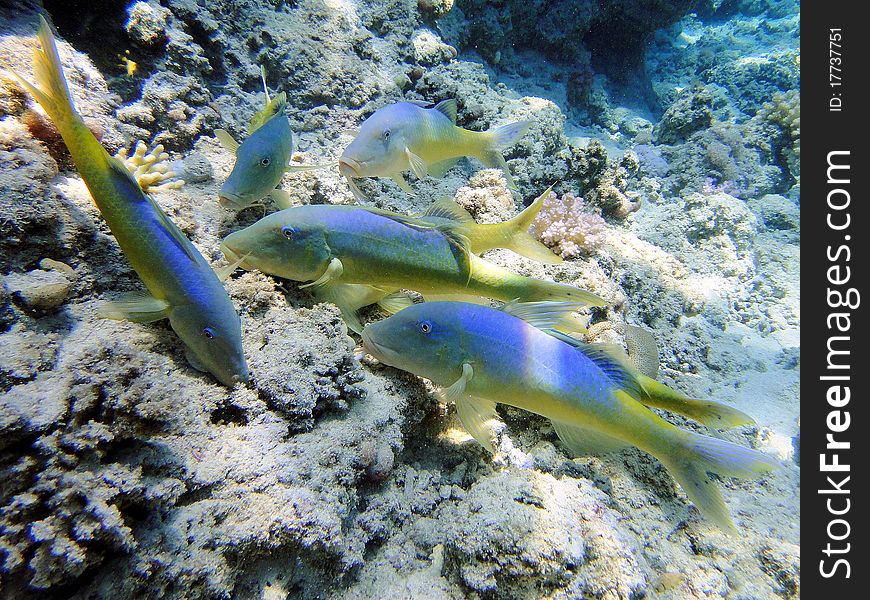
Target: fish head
column 290, row 243
column 424, row 339
column 212, row 332
column 379, row 148
column 261, row 161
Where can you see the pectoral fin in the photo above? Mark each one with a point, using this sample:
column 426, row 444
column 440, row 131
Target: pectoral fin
column 440, row 169
column 400, row 181
column 226, row 140
column 583, row 441
column 395, row 302
column 350, row 297
column 139, row 307
column 418, row 165
column 333, row 272
column 280, row 198
column 456, row 391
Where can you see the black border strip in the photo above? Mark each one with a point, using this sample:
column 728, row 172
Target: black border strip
column 834, row 264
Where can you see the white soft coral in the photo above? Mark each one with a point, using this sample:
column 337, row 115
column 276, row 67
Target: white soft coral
column 568, row 227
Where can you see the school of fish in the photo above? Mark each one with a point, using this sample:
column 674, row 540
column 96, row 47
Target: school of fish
column 523, row 354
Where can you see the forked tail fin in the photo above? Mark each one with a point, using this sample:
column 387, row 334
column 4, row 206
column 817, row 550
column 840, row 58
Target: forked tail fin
column 497, row 140
column 50, row 88
column 517, row 237
column 692, row 461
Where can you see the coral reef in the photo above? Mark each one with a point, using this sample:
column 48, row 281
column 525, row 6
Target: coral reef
column 487, row 197
column 780, row 123
column 567, row 226
column 150, row 168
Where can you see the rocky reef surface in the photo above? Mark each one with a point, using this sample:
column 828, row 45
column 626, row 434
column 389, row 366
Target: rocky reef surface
column 673, row 129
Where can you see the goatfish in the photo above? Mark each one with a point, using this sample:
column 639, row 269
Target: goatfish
column 263, row 158
column 181, row 284
column 406, row 136
column 481, row 356
column 353, row 256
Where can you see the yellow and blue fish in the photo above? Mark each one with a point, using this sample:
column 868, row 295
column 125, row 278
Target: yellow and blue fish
column 355, row 256
column 407, row 137
column 482, row 356
column 182, row 286
column 262, row 159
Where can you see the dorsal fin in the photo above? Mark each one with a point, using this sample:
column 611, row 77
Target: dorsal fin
column 180, row 239
column 543, row 315
column 451, row 230
column 445, row 208
column 604, row 360
column 642, row 350
column 275, row 106
column 447, row 108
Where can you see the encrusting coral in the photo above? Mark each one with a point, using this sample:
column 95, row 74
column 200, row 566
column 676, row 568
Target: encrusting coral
column 567, row 226
column 151, row 169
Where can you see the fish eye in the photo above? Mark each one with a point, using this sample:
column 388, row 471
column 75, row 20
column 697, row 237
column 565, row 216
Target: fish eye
column 386, row 134
column 425, row 326
column 265, row 161
column 208, row 332
column 288, row 232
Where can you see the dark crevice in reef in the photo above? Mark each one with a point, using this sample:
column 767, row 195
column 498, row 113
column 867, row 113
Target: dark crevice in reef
column 97, row 28
column 618, row 41
column 229, row 413
column 212, row 50
column 195, row 495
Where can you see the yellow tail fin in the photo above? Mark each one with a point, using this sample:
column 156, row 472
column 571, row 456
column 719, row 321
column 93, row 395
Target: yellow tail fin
column 713, row 415
column 496, row 141
column 515, row 234
column 51, row 90
column 691, row 462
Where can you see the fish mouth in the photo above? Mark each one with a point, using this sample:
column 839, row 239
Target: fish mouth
column 349, row 167
column 230, row 200
column 239, row 375
column 379, row 351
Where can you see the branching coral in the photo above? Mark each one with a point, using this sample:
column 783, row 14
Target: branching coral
column 604, row 184
column 487, row 197
column 780, row 122
column 567, row 226
column 151, row 169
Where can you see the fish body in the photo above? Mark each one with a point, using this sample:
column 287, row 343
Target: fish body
column 407, row 137
column 182, row 285
column 484, row 356
column 262, row 159
column 335, row 245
